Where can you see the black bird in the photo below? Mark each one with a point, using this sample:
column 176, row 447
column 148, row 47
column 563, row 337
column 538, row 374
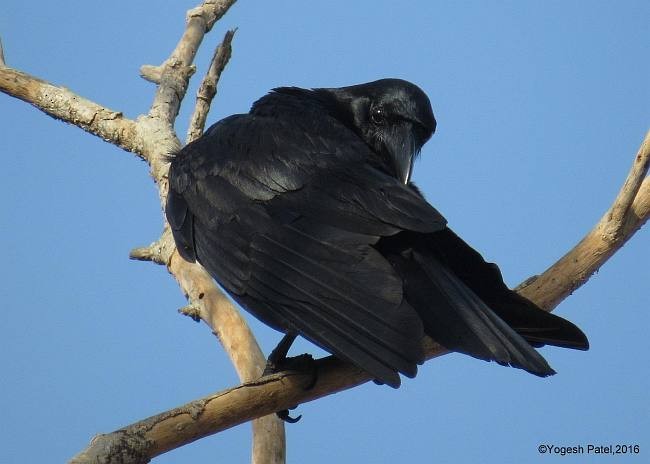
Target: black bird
column 303, row 210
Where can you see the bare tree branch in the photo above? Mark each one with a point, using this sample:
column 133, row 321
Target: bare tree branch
column 627, row 214
column 62, row 104
column 208, row 88
column 234, row 406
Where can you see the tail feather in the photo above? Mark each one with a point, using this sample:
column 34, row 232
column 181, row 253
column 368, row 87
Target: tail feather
column 536, row 325
column 458, row 319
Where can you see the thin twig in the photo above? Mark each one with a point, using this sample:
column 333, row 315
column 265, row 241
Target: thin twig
column 159, row 252
column 208, row 88
column 151, row 73
column 178, row 68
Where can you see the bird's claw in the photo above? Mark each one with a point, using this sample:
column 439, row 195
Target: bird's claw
column 278, row 361
column 296, row 363
column 284, row 415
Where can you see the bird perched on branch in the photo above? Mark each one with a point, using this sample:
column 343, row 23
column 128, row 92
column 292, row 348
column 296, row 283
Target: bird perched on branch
column 304, row 212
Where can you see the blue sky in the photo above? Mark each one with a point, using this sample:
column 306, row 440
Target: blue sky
column 541, row 107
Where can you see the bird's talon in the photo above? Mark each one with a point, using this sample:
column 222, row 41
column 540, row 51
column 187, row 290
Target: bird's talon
column 284, row 415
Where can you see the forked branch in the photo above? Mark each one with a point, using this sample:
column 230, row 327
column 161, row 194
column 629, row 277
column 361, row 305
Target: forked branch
column 152, row 137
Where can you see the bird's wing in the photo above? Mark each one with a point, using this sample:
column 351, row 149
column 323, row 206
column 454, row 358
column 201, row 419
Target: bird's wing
column 285, row 221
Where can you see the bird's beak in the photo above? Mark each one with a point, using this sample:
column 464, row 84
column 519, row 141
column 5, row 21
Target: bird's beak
column 403, row 150
column 405, row 169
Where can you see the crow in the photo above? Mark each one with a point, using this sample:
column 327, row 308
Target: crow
column 304, row 212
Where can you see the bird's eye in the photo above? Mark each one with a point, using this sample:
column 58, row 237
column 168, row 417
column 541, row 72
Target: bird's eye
column 378, row 116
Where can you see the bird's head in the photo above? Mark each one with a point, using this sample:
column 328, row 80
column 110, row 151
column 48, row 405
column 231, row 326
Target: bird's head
column 392, row 116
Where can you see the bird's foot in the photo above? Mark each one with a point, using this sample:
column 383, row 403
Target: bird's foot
column 303, row 363
column 278, row 362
